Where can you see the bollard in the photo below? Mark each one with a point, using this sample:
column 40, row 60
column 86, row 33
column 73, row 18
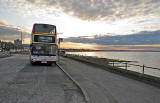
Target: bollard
column 113, row 63
column 143, row 69
column 126, row 65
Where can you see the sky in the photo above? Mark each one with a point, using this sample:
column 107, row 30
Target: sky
column 79, row 18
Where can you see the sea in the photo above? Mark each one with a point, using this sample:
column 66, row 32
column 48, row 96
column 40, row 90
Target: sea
column 149, row 59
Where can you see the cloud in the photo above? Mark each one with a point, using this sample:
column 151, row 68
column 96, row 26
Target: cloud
column 141, row 38
column 3, row 22
column 72, row 45
column 108, row 10
column 9, row 32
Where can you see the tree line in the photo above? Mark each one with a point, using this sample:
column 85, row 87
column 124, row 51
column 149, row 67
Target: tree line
column 7, row 46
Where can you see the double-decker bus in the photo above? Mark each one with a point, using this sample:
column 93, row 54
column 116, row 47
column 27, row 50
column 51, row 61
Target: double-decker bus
column 43, row 48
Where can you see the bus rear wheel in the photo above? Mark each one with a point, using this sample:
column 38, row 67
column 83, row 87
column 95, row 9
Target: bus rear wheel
column 31, row 62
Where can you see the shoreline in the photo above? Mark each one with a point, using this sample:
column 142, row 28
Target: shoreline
column 104, row 64
column 109, row 51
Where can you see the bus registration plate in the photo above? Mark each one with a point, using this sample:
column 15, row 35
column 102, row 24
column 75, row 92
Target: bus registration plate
column 43, row 61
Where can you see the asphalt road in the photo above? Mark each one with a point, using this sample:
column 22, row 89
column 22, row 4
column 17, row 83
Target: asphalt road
column 21, row 82
column 106, row 87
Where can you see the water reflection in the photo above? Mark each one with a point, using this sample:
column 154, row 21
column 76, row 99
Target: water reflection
column 147, row 58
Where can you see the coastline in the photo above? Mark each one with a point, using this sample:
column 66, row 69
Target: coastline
column 104, row 64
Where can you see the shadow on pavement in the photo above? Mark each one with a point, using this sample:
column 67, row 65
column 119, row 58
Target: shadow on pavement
column 38, row 67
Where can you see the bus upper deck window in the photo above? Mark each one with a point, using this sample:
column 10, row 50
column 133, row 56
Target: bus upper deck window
column 52, row 31
column 45, row 29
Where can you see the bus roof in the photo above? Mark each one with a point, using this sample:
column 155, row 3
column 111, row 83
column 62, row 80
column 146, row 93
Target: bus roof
column 42, row 24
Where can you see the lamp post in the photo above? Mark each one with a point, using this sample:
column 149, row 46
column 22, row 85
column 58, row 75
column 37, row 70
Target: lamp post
column 21, row 37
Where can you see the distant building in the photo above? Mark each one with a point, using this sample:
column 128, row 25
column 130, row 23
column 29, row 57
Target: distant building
column 17, row 42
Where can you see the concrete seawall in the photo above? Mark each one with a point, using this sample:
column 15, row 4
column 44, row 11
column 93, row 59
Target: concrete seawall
column 103, row 63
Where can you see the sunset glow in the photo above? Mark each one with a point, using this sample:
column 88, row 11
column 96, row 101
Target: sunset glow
column 89, row 19
column 70, row 45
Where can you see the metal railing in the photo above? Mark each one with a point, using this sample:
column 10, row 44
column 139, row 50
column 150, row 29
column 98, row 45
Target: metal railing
column 126, row 65
column 123, row 64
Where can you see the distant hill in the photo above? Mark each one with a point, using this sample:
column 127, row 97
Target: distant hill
column 142, row 38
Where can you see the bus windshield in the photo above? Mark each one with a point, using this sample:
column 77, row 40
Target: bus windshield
column 43, row 49
column 40, row 28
